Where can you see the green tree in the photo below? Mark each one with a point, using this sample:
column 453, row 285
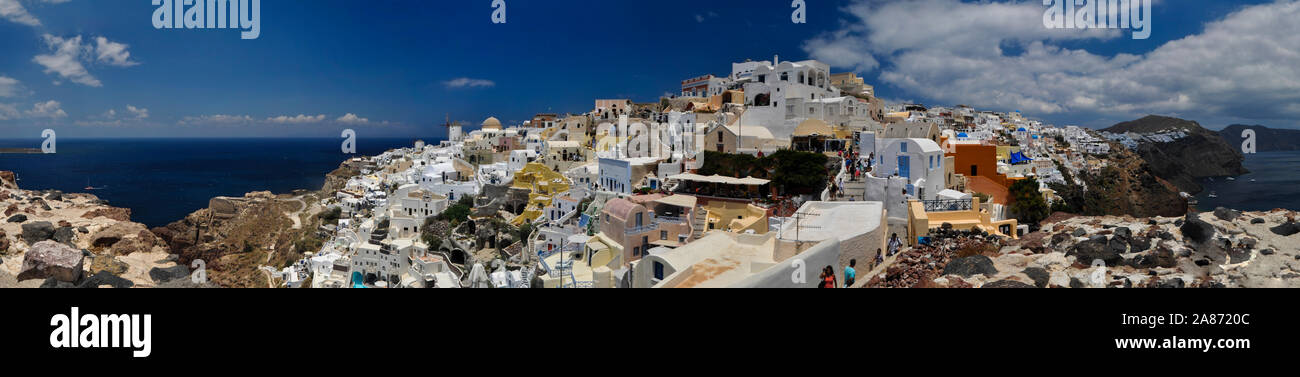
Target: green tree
column 1027, row 203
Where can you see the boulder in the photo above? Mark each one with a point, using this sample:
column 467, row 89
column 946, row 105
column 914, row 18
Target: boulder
column 119, row 214
column 116, row 232
column 1226, row 214
column 1040, row 276
column 1060, row 238
column 1079, row 232
column 49, row 259
column 1287, row 229
column 65, row 235
column 969, row 266
column 1139, row 244
column 54, row 195
column 107, row 263
column 1123, row 233
column 1097, row 248
column 1196, row 230
column 37, row 231
column 1117, row 245
column 1257, row 221
column 1007, row 284
column 19, row 218
column 162, row 275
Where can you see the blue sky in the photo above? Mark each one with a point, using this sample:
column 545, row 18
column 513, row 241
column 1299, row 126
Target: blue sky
column 324, row 65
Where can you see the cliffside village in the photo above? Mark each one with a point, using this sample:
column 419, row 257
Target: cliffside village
column 597, row 211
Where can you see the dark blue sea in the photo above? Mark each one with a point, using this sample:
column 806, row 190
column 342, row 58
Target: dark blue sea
column 163, row 180
column 1276, row 185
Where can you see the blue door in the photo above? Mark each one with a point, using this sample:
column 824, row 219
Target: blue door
column 905, row 167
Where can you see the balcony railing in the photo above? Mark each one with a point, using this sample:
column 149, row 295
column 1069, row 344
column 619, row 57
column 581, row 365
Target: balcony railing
column 669, row 220
column 642, row 229
column 948, row 205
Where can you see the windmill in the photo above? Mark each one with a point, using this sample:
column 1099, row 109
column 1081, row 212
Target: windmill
column 453, row 129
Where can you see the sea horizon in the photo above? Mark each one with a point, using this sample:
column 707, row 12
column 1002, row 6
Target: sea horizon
column 169, row 178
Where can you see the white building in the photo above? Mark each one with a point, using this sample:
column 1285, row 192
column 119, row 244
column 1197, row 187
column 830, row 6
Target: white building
column 776, row 94
column 920, row 161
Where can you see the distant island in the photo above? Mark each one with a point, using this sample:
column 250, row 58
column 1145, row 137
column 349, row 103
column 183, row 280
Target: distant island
column 1201, row 153
column 20, row 151
column 1266, row 139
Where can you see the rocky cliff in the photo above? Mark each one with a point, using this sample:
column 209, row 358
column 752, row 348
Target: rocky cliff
column 1126, row 187
column 1224, row 248
column 1266, row 139
column 1203, row 153
column 83, row 241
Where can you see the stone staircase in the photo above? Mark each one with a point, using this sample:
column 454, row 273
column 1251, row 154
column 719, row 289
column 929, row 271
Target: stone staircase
column 699, row 222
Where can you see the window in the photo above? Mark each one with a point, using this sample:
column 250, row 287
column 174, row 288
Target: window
column 903, row 146
column 663, row 235
column 785, row 76
column 659, row 271
column 639, row 216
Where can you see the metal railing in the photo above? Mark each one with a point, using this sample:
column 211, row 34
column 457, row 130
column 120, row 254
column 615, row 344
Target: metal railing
column 669, row 220
column 947, row 205
column 642, row 229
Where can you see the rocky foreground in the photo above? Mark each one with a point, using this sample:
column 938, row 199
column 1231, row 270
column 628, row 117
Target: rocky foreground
column 1225, row 248
column 52, row 239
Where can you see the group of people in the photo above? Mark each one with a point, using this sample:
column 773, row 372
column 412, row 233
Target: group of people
column 828, row 279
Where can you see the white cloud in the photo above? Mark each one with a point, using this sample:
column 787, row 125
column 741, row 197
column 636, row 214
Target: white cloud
column 9, row 87
column 299, row 119
column 138, row 112
column 68, row 55
column 112, row 53
column 351, row 118
column 8, row 111
column 66, row 60
column 1245, row 65
column 465, row 82
column 13, row 10
column 216, row 119
column 49, row 109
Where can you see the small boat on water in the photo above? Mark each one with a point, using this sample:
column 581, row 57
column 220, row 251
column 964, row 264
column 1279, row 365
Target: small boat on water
column 1213, row 195
column 1230, row 179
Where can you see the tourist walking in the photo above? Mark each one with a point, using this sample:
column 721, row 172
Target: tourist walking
column 894, row 244
column 850, row 274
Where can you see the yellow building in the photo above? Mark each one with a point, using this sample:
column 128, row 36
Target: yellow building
column 920, row 221
column 735, row 217
column 543, row 185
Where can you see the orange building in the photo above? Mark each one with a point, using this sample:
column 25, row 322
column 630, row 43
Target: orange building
column 979, row 163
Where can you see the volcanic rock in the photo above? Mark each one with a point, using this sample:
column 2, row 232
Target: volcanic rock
column 1040, row 276
column 49, row 259
column 1197, row 230
column 37, row 231
column 969, row 266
